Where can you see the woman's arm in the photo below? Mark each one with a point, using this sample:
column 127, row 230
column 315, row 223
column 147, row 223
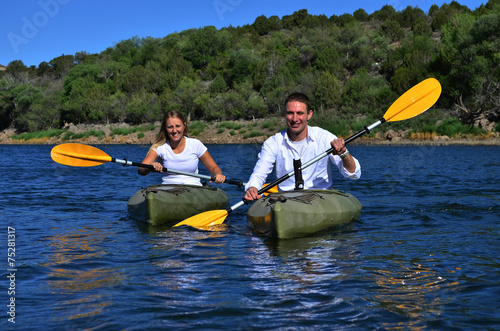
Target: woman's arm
column 150, row 158
column 212, row 167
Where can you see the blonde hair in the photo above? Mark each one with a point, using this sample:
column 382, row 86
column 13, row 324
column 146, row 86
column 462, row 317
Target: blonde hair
column 162, row 136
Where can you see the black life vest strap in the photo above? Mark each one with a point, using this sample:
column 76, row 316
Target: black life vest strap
column 299, row 182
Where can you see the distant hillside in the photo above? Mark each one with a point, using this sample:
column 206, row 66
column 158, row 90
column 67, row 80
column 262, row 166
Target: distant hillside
column 352, row 66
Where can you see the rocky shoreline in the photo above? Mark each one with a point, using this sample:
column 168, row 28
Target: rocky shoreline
column 212, row 134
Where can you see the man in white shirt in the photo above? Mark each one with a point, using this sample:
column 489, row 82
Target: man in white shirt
column 301, row 141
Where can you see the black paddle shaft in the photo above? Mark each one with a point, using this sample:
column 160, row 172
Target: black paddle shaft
column 238, row 183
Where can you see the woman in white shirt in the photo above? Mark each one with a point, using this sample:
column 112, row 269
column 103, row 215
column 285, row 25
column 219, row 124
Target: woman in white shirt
column 173, row 149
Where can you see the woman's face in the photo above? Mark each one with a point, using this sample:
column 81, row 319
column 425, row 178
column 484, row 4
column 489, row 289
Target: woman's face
column 175, row 129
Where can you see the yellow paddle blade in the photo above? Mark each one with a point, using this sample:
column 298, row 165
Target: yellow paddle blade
column 274, row 189
column 414, row 101
column 78, row 155
column 208, row 218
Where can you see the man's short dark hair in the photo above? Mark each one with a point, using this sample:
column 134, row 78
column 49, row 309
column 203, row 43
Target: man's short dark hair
column 299, row 97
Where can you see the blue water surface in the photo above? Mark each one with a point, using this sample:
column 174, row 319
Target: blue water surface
column 425, row 254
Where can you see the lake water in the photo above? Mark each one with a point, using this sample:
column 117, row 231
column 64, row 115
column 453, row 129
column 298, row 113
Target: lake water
column 425, row 254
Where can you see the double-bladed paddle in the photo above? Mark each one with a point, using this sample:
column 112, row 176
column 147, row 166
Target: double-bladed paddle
column 413, row 102
column 80, row 155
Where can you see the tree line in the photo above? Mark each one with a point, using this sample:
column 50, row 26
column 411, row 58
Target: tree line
column 352, row 66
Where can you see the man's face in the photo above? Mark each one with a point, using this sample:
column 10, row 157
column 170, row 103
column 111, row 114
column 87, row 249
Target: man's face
column 297, row 117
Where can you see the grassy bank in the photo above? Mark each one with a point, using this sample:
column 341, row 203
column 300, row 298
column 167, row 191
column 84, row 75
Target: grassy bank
column 447, row 130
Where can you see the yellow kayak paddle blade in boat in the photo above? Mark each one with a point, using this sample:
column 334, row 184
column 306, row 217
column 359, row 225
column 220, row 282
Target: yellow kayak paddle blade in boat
column 273, row 189
column 206, row 219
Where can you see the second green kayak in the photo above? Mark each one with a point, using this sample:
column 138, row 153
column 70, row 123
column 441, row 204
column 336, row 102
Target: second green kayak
column 303, row 212
column 170, row 203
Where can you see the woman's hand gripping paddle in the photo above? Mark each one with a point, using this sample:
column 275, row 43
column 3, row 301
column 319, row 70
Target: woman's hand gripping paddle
column 413, row 102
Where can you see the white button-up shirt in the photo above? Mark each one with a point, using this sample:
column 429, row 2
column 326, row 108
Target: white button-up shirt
column 280, row 151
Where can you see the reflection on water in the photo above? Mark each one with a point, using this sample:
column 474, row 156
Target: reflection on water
column 416, row 291
column 72, row 263
column 184, row 237
column 189, row 245
column 318, row 258
column 76, row 245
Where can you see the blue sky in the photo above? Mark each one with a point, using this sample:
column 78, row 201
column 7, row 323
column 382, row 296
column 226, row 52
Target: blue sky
column 34, row 31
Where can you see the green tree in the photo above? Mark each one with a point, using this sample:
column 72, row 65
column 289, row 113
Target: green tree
column 110, row 70
column 228, row 105
column 420, row 27
column 43, row 69
column 411, row 14
column 138, row 78
column 44, row 114
column 330, row 60
column 60, row 66
column 370, row 93
column 355, row 45
column 218, row 85
column 392, row 30
column 23, row 98
column 18, row 73
column 275, row 23
column 124, row 51
column 434, row 11
column 474, row 67
column 203, row 45
column 252, row 104
column 416, row 54
column 210, row 108
column 319, row 21
column 449, row 64
column 385, row 13
column 16, row 67
column 116, row 110
column 261, row 25
column 361, row 15
column 345, row 19
column 276, row 88
column 176, row 68
column 82, row 101
column 327, row 91
column 186, row 94
column 241, row 65
column 439, row 20
column 255, row 106
column 296, row 20
column 143, row 107
column 82, row 57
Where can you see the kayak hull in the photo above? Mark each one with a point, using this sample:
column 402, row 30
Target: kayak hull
column 300, row 213
column 169, row 204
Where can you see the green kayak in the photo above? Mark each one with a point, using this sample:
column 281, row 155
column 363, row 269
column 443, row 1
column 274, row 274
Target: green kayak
column 299, row 213
column 170, row 203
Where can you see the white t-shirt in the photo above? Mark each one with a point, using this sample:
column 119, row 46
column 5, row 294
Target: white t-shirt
column 186, row 161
